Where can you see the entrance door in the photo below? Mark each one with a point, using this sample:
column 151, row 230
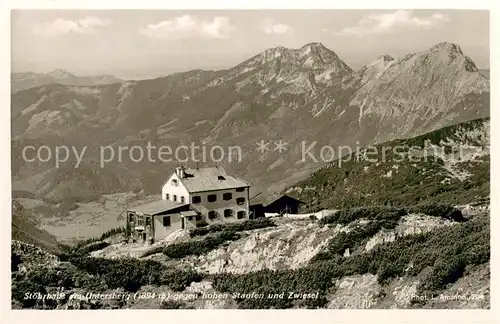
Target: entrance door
column 182, row 223
column 144, row 236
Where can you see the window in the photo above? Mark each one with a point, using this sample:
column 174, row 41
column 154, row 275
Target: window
column 227, row 196
column 182, row 199
column 212, row 198
column 148, row 221
column 175, row 182
column 196, row 199
column 228, row 212
column 241, row 214
column 168, row 196
column 190, row 218
column 166, row 221
column 240, row 200
column 212, row 214
column 130, row 217
column 242, row 189
column 198, row 218
column 175, row 197
column 221, row 178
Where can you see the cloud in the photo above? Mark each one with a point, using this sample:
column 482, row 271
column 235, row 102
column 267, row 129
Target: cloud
column 269, row 27
column 60, row 26
column 385, row 23
column 189, row 26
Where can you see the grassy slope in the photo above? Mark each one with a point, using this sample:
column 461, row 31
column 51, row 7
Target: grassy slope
column 358, row 182
column 25, row 230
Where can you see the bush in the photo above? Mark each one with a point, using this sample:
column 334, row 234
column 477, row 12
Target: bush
column 131, row 274
column 447, row 251
column 15, row 261
column 389, row 216
column 82, row 250
column 266, row 283
column 201, row 223
column 353, row 238
column 199, row 247
column 438, row 210
column 446, row 270
column 247, row 225
column 346, row 216
column 155, row 250
column 27, row 288
column 103, row 236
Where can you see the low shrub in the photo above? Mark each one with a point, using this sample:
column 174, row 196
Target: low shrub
column 447, row 250
column 447, row 269
column 439, row 210
column 389, row 216
column 27, row 288
column 353, row 238
column 131, row 274
column 15, row 261
column 82, row 250
column 346, row 216
column 155, row 250
column 265, row 284
column 201, row 223
column 247, row 225
column 199, row 247
column 103, row 236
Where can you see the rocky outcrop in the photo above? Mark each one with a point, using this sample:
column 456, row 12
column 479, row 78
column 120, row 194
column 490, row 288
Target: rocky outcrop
column 289, row 246
column 408, row 225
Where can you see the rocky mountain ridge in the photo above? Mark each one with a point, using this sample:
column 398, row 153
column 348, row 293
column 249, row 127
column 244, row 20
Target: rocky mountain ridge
column 306, row 95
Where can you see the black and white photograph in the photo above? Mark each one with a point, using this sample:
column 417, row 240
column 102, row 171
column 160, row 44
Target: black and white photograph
column 249, row 159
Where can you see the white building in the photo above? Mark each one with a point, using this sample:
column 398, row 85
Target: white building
column 190, row 196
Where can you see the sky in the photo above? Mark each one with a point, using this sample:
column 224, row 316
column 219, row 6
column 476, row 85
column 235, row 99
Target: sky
column 134, row 44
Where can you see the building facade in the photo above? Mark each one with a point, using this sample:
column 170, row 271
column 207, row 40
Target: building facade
column 190, row 198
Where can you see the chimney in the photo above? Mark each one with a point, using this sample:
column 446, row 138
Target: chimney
column 180, row 172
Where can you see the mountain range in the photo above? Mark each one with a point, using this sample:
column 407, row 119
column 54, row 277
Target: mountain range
column 26, row 80
column 300, row 96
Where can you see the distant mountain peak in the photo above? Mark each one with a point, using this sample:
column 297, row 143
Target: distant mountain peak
column 448, row 47
column 386, row 58
column 312, row 55
column 60, row 74
column 455, row 54
column 315, row 45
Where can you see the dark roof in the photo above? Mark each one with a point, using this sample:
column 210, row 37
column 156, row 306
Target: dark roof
column 266, row 200
column 207, row 179
column 156, row 207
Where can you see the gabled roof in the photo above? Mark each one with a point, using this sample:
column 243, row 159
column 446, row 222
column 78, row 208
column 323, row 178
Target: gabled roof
column 207, row 179
column 267, row 200
column 156, row 207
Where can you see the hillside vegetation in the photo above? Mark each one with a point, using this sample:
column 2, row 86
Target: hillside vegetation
column 438, row 257
column 405, row 176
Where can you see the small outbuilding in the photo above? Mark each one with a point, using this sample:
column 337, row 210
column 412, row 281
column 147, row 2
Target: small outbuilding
column 276, row 204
